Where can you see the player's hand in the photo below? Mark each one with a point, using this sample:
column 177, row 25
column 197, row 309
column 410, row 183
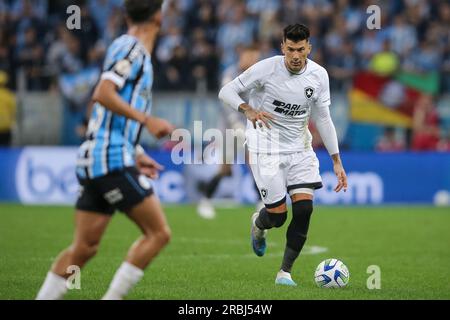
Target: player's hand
column 148, row 166
column 341, row 176
column 158, row 127
column 257, row 117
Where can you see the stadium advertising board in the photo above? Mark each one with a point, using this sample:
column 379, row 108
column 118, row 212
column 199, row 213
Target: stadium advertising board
column 46, row 175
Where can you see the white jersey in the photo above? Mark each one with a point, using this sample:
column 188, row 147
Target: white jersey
column 291, row 99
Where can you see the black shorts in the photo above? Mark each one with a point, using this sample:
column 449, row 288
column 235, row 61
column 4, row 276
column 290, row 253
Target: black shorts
column 121, row 190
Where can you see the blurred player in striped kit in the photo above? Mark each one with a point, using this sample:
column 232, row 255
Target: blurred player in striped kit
column 111, row 166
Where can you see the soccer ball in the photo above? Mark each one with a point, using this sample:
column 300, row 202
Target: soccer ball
column 331, row 273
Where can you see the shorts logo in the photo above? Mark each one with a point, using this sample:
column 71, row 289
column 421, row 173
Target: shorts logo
column 145, row 184
column 264, row 193
column 309, row 91
column 113, row 196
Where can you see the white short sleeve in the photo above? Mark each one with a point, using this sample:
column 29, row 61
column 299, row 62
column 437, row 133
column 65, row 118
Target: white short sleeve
column 253, row 77
column 324, row 97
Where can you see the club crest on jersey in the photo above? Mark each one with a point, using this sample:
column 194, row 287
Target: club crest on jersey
column 309, row 91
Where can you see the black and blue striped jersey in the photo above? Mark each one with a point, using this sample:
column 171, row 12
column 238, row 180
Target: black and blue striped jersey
column 111, row 138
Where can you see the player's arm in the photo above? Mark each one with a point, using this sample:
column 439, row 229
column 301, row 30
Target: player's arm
column 106, row 94
column 230, row 94
column 320, row 115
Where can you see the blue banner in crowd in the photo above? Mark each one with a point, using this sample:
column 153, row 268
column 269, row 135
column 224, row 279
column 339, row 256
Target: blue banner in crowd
column 46, row 175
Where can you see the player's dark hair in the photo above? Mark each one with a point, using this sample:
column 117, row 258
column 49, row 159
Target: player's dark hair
column 142, row 10
column 296, row 32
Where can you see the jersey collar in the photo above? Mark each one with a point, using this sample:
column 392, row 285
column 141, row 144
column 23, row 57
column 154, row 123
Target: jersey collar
column 296, row 73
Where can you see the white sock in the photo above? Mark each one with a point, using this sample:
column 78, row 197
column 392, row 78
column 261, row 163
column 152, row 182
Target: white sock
column 125, row 278
column 54, row 287
column 283, row 274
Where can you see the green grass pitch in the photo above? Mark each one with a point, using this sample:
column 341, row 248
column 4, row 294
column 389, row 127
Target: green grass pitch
column 213, row 259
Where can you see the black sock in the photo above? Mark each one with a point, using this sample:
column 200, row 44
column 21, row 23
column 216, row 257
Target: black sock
column 212, row 185
column 297, row 232
column 268, row 220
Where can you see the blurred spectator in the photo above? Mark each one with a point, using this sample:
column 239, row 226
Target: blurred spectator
column 177, row 74
column 7, row 111
column 237, row 30
column 426, row 132
column 173, row 17
column 334, row 39
column 403, row 36
column 102, row 10
column 168, row 42
column 288, row 11
column 30, row 56
column 342, row 67
column 201, row 38
column 37, row 9
column 205, row 19
column 8, row 60
column 65, row 54
column 89, row 33
column 204, row 61
column 367, row 46
column 385, row 62
column 115, row 27
column 389, row 141
column 426, row 59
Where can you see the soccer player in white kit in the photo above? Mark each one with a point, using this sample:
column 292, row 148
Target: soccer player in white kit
column 285, row 92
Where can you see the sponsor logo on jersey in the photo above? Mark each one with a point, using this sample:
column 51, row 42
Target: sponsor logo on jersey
column 290, row 109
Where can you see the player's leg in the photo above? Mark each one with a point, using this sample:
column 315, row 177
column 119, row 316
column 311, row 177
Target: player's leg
column 143, row 208
column 89, row 228
column 149, row 217
column 205, row 208
column 259, row 202
column 271, row 184
column 211, row 186
column 303, row 178
column 302, row 208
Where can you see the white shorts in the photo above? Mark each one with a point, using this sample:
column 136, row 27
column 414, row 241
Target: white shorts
column 277, row 174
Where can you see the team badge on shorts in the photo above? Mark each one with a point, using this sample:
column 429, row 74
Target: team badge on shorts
column 264, row 193
column 144, row 182
column 309, row 91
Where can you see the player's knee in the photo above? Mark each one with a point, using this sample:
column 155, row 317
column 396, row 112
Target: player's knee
column 301, row 209
column 278, row 219
column 163, row 236
column 85, row 250
column 298, row 228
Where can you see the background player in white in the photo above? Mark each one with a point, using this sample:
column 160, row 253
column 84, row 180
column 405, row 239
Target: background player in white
column 248, row 56
column 111, row 165
column 285, row 92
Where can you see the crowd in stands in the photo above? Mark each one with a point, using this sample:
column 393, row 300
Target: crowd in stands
column 201, row 38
